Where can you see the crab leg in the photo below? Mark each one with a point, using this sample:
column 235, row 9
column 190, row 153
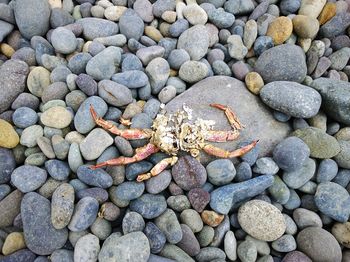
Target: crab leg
column 215, row 151
column 141, row 153
column 220, row 136
column 132, row 133
column 231, row 116
column 158, row 168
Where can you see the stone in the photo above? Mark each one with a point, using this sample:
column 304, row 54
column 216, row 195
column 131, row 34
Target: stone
column 131, row 25
column 291, row 153
column 342, row 158
column 311, row 8
column 13, row 75
column 327, row 195
column 220, row 172
column 149, row 206
column 220, row 18
column 8, row 136
column 113, row 93
column 198, row 198
column 5, row 29
column 279, row 191
column 62, row 205
column 195, row 41
column 104, row 64
column 144, row 9
column 326, row 171
column 28, row 178
column 296, row 256
column 113, row 13
column 311, row 241
column 334, row 96
column 265, row 166
column 21, row 255
column 39, row 234
column 57, row 169
column 280, row 29
column 298, row 178
column 32, row 17
column 178, row 203
column 261, row 220
column 247, row 251
column 193, row 71
column 285, row 243
column 56, row 117
column 339, row 58
column 155, row 237
column 170, row 226
column 13, row 242
column 87, row 248
column 238, row 7
column 291, row 98
column 97, row 27
column 172, row 252
column 63, row 40
column 24, row 117
column 195, row 14
column 85, row 213
column 158, row 72
column 320, row 143
column 77, row 62
column 38, row 80
column 254, row 82
column 95, row 143
column 223, row 198
column 327, row 13
column 282, row 63
column 130, row 190
column 257, row 126
column 305, row 26
column 306, row 218
column 341, row 231
column 131, row 78
column 86, row 84
column 336, row 25
column 188, row 173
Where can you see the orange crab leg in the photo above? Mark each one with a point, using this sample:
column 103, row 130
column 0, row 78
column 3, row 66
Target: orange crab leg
column 231, row 116
column 215, row 151
column 141, row 153
column 220, row 136
column 132, row 133
column 157, row 168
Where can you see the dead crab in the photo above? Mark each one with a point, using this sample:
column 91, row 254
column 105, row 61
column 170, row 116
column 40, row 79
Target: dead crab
column 171, row 133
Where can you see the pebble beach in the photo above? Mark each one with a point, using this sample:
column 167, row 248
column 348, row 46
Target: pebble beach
column 281, row 65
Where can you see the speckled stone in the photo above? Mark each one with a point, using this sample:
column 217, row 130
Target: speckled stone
column 261, row 220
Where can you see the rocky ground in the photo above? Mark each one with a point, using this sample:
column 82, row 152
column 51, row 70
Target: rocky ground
column 282, row 66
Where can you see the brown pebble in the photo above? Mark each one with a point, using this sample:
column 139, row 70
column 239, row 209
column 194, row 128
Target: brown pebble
column 7, row 50
column 280, row 29
column 254, row 82
column 328, row 11
column 211, row 218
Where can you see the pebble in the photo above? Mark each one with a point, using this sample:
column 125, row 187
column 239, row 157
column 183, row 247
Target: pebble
column 222, row 198
column 298, row 178
column 178, row 202
column 59, row 255
column 130, row 190
column 83, row 120
column 8, row 137
column 326, row 171
column 167, row 94
column 188, row 243
column 113, row 13
column 144, row 9
column 341, row 231
column 211, row 218
column 114, row 94
column 282, row 63
column 174, row 253
column 170, row 226
column 86, row 84
column 13, row 75
column 131, row 78
column 291, row 153
column 188, row 173
column 158, row 71
column 62, row 206
column 7, row 164
column 285, row 243
column 28, row 178
column 334, row 94
column 159, row 183
column 85, row 213
column 238, row 7
column 97, row 177
column 306, row 218
column 56, row 117
column 295, row 256
column 21, row 255
column 311, row 8
column 95, row 143
column 279, row 191
column 100, row 194
column 132, row 222
column 280, row 29
column 210, row 254
column 265, row 166
column 193, row 71
column 63, row 40
column 57, row 169
column 131, row 24
column 320, row 143
column 13, row 242
column 24, row 117
column 220, row 18
column 199, row 198
column 310, row 241
column 77, row 62
column 254, row 82
column 155, row 237
column 236, row 48
column 261, row 220
column 343, row 156
column 195, row 41
column 246, row 251
column 178, row 27
column 87, row 248
column 39, row 234
column 195, row 14
column 96, row 27
column 328, row 12
column 25, row 100
column 149, row 206
column 329, row 193
column 192, row 219
column 38, row 80
column 32, row 17
column 305, row 26
column 220, row 172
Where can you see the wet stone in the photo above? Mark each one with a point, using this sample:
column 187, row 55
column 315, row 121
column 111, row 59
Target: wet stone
column 169, row 225
column 40, row 235
column 135, row 169
column 57, row 169
column 130, row 190
column 84, row 214
column 155, row 237
column 28, row 178
column 158, row 183
column 149, row 206
column 97, row 177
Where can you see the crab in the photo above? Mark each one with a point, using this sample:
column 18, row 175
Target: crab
column 171, row 133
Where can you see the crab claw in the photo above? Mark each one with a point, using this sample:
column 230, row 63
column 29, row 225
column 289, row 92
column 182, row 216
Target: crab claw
column 231, row 116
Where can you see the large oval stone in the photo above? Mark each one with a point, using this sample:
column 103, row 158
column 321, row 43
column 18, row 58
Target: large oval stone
column 39, row 234
column 258, row 121
column 291, row 98
column 282, row 63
